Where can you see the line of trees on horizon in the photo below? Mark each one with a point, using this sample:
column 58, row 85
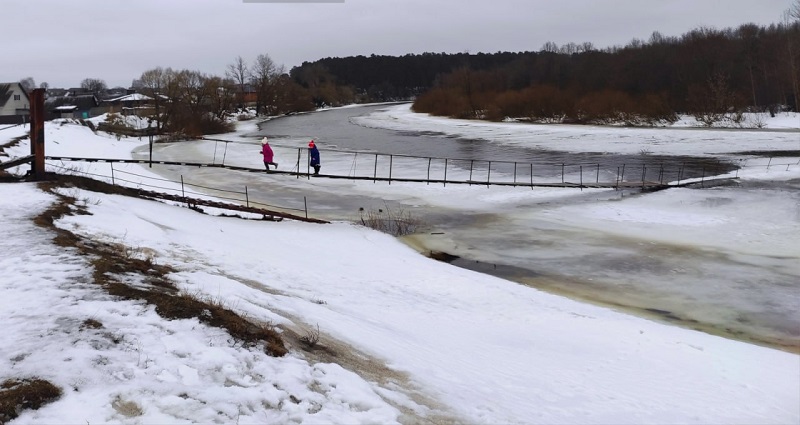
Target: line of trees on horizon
column 713, row 74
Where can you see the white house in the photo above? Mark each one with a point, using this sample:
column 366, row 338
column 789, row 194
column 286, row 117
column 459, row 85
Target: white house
column 14, row 100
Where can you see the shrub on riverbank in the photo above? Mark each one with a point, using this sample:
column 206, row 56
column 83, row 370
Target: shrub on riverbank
column 548, row 104
column 397, row 223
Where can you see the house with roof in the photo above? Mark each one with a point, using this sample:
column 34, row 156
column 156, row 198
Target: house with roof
column 73, row 106
column 66, row 111
column 55, row 92
column 114, row 93
column 78, row 91
column 250, row 95
column 15, row 104
column 129, row 100
column 130, row 104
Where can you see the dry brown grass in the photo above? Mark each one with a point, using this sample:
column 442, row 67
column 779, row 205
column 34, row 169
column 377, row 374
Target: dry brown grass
column 68, row 181
column 17, row 395
column 398, row 222
column 311, row 338
column 91, row 324
column 112, row 260
column 172, row 305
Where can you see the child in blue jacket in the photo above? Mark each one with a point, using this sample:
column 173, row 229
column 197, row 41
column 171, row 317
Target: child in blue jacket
column 313, row 154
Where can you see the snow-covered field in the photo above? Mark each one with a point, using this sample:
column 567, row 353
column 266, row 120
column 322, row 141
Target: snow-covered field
column 461, row 346
column 780, row 133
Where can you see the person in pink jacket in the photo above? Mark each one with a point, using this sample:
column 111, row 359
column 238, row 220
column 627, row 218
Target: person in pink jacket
column 266, row 150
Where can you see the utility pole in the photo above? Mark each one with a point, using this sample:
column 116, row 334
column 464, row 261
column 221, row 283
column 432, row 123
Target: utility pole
column 37, row 133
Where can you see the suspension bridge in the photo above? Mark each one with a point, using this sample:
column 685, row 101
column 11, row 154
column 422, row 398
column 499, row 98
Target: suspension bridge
column 618, row 183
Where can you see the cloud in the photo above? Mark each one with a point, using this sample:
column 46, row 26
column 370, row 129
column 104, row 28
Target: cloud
column 64, row 42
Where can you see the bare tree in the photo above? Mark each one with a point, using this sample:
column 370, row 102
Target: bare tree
column 291, row 96
column 791, row 46
column 635, row 43
column 263, row 76
column 94, row 85
column 240, row 74
column 550, row 47
column 222, row 95
column 28, row 83
column 569, row 48
column 187, row 102
column 716, row 102
column 153, row 83
column 317, row 79
column 748, row 33
column 44, row 85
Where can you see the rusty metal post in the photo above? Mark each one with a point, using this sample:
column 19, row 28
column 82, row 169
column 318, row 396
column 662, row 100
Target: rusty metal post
column 37, row 133
column 299, row 153
column 375, row 171
column 515, row 173
column 471, row 163
column 429, row 171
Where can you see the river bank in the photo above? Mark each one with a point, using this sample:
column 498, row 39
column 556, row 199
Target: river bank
column 586, row 290
column 722, row 259
column 472, row 347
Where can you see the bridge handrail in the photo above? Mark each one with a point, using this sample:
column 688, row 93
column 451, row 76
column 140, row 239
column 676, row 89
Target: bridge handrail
column 441, row 158
column 114, row 179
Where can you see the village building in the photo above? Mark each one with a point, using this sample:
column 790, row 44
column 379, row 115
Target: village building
column 15, row 104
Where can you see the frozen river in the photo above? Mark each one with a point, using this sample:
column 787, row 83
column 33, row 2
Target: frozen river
column 725, row 260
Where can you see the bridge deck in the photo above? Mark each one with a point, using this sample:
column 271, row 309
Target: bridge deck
column 649, row 185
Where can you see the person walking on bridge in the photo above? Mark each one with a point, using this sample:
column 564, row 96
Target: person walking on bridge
column 313, row 154
column 266, row 151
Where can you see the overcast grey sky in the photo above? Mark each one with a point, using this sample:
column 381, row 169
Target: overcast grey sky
column 62, row 42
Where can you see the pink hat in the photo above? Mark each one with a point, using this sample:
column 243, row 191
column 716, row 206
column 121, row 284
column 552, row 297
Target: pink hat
column 311, row 144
